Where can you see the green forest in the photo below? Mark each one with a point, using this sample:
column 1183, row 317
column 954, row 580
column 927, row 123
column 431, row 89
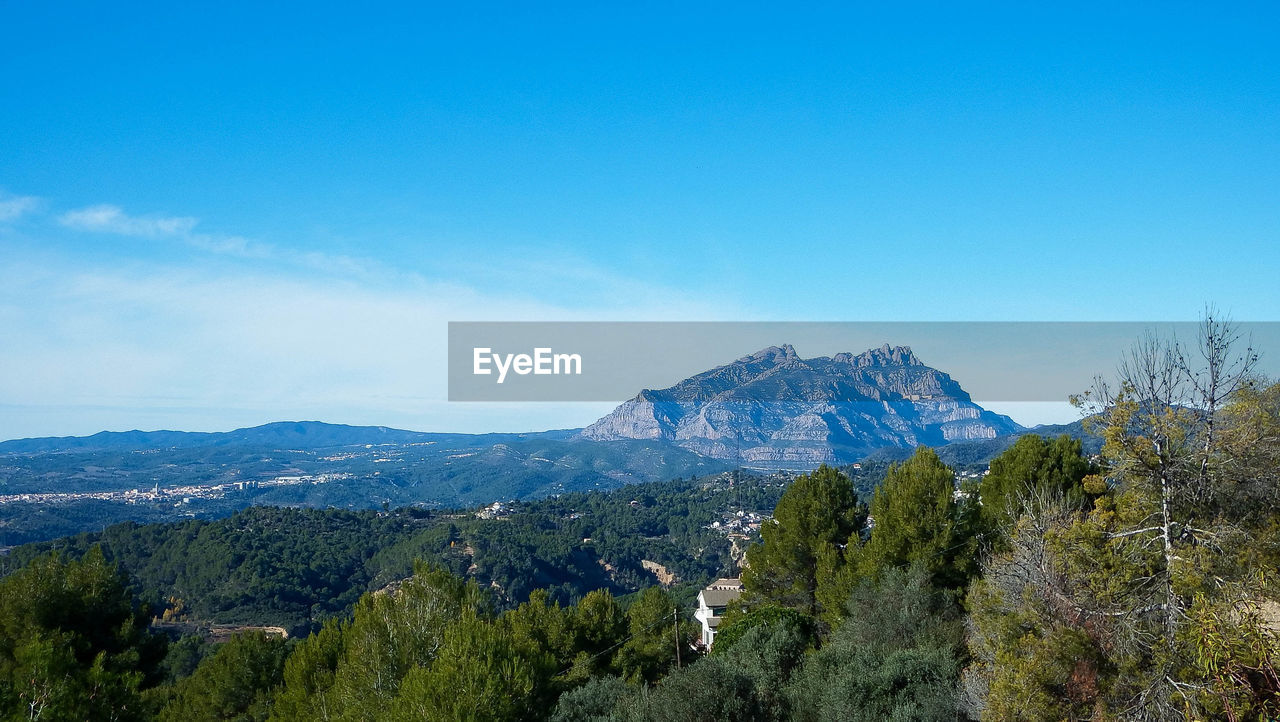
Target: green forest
column 1134, row 583
column 295, row 568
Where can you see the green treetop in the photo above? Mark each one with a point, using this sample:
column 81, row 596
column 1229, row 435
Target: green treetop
column 817, row 516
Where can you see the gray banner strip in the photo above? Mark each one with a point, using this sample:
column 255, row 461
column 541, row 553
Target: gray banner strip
column 604, row 361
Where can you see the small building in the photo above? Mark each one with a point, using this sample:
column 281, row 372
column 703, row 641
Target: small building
column 496, row 510
column 712, row 602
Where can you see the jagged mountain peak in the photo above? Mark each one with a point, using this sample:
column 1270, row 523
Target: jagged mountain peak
column 886, row 355
column 776, row 354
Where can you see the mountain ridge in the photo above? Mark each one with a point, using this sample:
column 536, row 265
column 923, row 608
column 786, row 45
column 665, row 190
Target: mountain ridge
column 295, row 434
column 774, row 406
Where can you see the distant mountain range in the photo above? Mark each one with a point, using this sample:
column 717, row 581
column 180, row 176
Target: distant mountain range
column 773, row 408
column 769, row 410
column 280, row 434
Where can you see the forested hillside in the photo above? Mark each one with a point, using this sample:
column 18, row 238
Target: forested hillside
column 297, row 567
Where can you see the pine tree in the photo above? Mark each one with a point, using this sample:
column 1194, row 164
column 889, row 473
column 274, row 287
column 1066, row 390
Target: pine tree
column 1032, row 467
column 916, row 520
column 74, row 643
column 817, row 518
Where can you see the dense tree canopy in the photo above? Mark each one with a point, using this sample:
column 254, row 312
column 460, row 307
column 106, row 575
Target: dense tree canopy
column 235, row 683
column 73, row 642
column 897, row 656
column 1031, row 468
column 296, row 568
column 917, row 521
column 816, row 518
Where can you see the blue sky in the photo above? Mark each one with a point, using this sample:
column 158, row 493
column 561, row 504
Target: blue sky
column 220, row 215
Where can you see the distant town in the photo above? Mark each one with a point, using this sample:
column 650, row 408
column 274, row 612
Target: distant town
column 178, row 495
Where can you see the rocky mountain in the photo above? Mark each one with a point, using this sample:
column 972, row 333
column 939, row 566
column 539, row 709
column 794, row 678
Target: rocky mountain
column 774, row 408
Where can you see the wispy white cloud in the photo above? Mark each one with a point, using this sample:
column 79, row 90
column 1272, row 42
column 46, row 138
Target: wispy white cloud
column 107, row 218
column 230, row 245
column 14, row 207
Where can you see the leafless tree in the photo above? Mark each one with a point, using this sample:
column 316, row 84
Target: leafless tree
column 1160, row 424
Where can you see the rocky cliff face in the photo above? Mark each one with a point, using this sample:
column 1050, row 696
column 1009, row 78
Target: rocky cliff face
column 773, row 408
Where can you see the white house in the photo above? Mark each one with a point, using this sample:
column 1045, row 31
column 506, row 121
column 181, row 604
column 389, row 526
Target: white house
column 711, row 605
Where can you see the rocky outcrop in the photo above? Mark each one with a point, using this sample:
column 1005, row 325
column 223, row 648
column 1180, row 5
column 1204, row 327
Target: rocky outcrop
column 773, row 408
column 664, row 576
